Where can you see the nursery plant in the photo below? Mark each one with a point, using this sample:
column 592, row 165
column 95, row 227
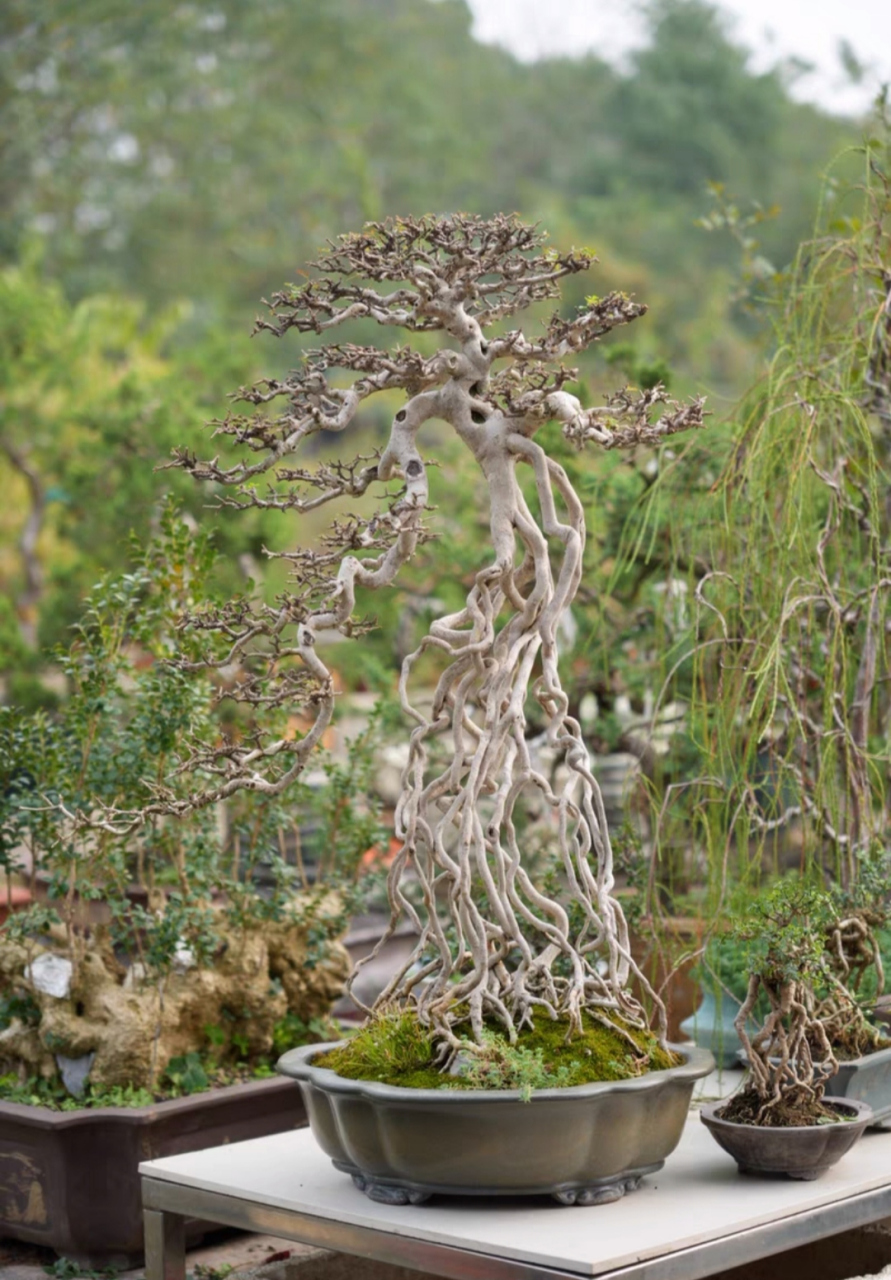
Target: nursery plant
column 856, row 971
column 790, row 1055
column 808, row 951
column 783, row 668
column 189, row 952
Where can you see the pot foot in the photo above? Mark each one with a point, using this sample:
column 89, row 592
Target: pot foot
column 387, row 1192
column 779, row 1173
column 603, row 1194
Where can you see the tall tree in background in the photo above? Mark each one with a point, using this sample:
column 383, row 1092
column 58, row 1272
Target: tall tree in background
column 196, row 149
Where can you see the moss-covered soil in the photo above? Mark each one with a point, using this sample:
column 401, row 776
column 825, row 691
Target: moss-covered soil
column 395, row 1049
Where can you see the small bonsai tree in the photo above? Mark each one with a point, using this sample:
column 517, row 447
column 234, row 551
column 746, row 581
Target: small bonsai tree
column 790, row 1056
column 505, row 948
column 854, row 959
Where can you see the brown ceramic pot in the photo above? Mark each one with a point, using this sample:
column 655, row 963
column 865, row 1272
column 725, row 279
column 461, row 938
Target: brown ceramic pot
column 68, row 1179
column 802, row 1153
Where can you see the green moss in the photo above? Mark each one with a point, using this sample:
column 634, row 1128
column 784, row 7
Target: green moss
column 396, row 1049
column 390, row 1049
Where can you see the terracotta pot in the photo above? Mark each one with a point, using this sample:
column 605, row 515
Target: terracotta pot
column 657, row 957
column 586, row 1144
column 68, row 1179
column 802, row 1153
column 13, row 898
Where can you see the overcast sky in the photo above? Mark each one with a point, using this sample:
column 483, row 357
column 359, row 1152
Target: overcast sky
column 772, row 29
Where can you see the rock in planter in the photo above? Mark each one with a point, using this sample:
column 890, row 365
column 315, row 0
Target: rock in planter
column 802, row 1153
column 586, row 1144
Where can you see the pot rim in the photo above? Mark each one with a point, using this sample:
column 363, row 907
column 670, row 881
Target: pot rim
column 707, row 1114
column 208, row 1099
column 297, row 1065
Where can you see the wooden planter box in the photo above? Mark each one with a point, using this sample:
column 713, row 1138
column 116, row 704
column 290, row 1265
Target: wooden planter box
column 68, row 1179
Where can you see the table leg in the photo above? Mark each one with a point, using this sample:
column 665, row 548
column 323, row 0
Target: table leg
column 165, row 1246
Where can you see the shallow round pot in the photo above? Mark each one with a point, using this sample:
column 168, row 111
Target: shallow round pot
column 803, row 1153
column 586, row 1144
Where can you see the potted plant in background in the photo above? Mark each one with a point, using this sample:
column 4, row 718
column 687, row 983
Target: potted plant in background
column 782, row 1120
column 855, row 983
column 145, row 996
column 500, row 968
column 783, row 761
column 723, row 978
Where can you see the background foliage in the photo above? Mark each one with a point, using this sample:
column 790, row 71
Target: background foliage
column 162, row 168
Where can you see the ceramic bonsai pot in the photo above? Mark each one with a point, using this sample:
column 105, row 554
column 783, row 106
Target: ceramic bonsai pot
column 868, row 1080
column 803, row 1153
column 69, row 1181
column 711, row 1027
column 587, row 1144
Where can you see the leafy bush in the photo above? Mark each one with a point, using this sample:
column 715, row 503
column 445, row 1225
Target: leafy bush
column 260, row 885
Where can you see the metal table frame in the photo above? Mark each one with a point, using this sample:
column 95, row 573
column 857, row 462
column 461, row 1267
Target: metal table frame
column 168, row 1204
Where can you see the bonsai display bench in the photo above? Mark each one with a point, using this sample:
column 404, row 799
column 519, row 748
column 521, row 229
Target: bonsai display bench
column 695, row 1217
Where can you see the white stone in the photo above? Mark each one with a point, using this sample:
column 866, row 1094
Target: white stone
column 50, row 974
column 588, row 710
column 388, row 778
column 135, row 976
column 75, row 1072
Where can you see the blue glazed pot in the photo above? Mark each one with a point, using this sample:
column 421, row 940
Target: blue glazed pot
column 711, row 1027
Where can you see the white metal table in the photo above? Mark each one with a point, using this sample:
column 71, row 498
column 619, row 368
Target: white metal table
column 695, row 1217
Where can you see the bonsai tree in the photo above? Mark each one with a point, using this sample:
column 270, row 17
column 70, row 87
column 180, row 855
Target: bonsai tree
column 790, row 1056
column 855, row 966
column 492, row 947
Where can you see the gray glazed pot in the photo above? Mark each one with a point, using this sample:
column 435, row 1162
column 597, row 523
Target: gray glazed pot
column 866, row 1080
column 587, row 1144
column 803, row 1153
